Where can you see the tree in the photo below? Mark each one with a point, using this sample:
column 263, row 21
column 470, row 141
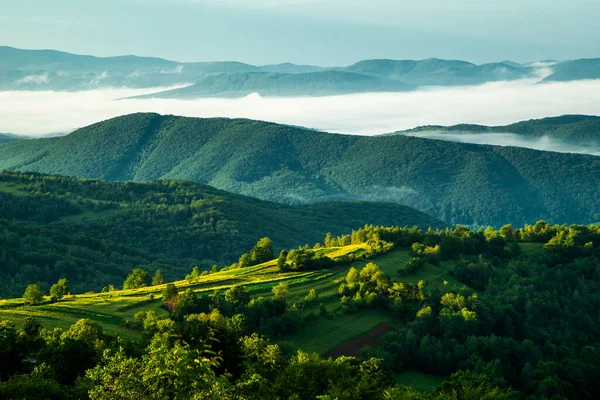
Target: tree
column 311, row 296
column 33, row 294
column 170, row 292
column 158, row 278
column 330, row 241
column 169, row 297
column 245, row 260
column 186, row 303
column 85, row 330
column 59, row 289
column 508, row 233
column 352, row 277
column 282, row 265
column 237, row 295
column 166, row 371
column 281, row 291
column 193, row 275
column 263, row 251
column 137, row 279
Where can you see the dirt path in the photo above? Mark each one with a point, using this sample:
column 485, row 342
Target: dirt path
column 352, row 347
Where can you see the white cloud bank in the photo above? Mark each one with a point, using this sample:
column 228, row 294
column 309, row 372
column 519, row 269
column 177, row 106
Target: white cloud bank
column 38, row 113
column 510, row 139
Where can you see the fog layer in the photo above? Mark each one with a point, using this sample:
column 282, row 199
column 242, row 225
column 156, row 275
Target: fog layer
column 511, row 139
column 499, row 103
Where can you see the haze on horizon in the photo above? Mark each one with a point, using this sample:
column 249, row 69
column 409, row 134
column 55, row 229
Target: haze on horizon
column 499, row 103
column 327, row 32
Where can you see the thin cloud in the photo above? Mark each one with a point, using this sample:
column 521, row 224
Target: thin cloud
column 35, row 79
column 498, row 103
column 177, row 70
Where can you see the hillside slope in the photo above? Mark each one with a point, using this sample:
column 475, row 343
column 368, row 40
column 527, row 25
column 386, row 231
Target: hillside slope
column 574, row 70
column 95, row 232
column 456, row 182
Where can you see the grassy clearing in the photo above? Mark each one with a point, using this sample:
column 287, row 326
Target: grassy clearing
column 323, row 334
column 531, row 249
column 419, row 380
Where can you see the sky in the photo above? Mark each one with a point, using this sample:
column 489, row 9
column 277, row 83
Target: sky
column 321, row 32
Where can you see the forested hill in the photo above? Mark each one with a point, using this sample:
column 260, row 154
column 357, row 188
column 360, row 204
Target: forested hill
column 95, row 231
column 456, row 182
column 578, row 129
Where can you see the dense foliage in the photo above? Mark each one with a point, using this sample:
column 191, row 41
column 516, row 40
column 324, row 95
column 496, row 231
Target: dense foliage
column 456, row 182
column 532, row 324
column 205, row 356
column 94, row 233
column 530, row 331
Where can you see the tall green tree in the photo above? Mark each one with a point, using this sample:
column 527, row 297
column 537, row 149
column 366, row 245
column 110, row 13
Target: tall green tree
column 138, row 278
column 237, row 295
column 281, row 291
column 282, row 265
column 262, row 252
column 158, row 278
column 33, row 294
column 59, row 289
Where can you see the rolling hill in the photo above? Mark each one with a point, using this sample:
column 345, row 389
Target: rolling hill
column 95, row 231
column 456, row 182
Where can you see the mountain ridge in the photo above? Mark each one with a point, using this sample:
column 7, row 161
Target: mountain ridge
column 456, row 182
column 55, row 70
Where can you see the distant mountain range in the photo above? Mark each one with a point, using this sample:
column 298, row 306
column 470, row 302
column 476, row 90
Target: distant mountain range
column 456, row 182
column 54, row 70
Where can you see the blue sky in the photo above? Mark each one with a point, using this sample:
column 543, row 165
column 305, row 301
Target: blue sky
column 324, row 32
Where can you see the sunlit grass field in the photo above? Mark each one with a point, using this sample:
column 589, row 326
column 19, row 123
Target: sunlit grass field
column 113, row 309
